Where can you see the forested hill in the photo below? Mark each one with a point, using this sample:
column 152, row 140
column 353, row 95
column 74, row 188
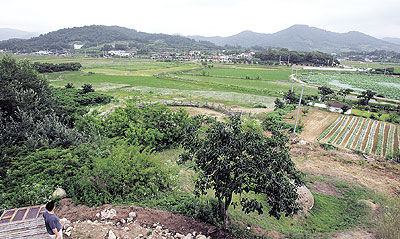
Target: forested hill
column 96, row 35
column 305, row 38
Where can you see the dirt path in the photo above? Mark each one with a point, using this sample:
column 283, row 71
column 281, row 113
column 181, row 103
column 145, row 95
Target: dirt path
column 314, row 160
column 315, row 122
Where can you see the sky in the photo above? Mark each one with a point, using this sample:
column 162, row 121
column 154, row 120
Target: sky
column 378, row 18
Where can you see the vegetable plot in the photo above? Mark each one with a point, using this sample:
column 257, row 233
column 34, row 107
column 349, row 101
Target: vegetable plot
column 366, row 135
column 386, row 85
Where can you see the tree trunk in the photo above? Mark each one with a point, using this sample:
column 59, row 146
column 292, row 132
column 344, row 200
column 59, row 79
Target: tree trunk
column 225, row 210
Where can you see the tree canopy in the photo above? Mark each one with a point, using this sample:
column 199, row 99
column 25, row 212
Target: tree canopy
column 235, row 158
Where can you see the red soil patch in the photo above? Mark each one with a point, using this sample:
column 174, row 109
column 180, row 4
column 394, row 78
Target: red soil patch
column 385, row 139
column 365, row 139
column 376, row 138
column 396, row 140
column 323, row 188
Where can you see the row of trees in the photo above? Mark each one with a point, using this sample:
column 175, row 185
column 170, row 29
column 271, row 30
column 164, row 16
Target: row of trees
column 50, row 67
column 296, row 57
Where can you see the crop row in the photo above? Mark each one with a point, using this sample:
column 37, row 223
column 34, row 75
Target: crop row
column 329, row 129
column 379, row 147
column 369, row 136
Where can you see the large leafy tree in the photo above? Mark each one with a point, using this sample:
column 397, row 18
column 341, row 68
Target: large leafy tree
column 325, row 92
column 235, row 158
column 366, row 96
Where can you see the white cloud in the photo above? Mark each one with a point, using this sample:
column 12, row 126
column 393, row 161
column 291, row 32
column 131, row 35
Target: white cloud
column 206, row 17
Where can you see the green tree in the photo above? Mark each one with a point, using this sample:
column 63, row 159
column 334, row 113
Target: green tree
column 279, row 104
column 86, row 88
column 344, row 93
column 325, row 92
column 366, row 96
column 235, row 158
column 290, row 97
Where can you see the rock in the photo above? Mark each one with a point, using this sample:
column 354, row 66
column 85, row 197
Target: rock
column 67, row 234
column 132, row 214
column 65, row 222
column 188, row 236
column 158, row 228
column 108, row 214
column 97, row 214
column 59, row 192
column 178, row 235
column 201, row 237
column 306, row 199
column 302, row 142
column 126, row 229
column 123, row 221
column 111, row 235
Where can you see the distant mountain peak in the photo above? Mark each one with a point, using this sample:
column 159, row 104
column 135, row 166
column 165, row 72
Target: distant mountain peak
column 306, row 38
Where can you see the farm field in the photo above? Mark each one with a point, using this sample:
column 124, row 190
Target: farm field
column 228, row 84
column 362, row 134
column 387, row 86
column 396, row 66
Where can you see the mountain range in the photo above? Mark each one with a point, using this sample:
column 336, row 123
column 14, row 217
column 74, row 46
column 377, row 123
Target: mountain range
column 98, row 35
column 9, row 33
column 296, row 37
column 305, row 38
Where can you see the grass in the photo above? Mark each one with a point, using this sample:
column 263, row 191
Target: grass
column 363, row 113
column 166, row 80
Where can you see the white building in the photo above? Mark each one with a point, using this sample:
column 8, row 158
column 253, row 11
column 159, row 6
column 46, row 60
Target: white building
column 77, row 47
column 121, row 53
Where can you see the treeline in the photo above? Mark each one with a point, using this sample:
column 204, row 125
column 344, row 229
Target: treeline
column 50, row 67
column 273, row 56
column 377, row 55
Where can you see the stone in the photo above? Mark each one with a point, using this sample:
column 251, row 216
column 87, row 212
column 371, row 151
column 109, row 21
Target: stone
column 126, row 229
column 108, row 214
column 302, row 142
column 180, row 236
column 201, row 237
column 132, row 214
column 188, row 236
column 59, row 192
column 158, row 228
column 123, row 221
column 65, row 223
column 111, row 235
column 97, row 214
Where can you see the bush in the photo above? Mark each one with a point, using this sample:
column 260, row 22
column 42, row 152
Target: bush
column 205, row 210
column 114, row 172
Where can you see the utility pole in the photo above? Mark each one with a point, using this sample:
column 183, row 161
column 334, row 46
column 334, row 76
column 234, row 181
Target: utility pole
column 298, row 111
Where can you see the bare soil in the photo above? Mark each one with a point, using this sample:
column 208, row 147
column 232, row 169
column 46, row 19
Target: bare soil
column 315, row 122
column 376, row 138
column 197, row 111
column 365, row 139
column 324, row 188
column 145, row 220
column 385, row 139
column 396, row 139
column 314, row 160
